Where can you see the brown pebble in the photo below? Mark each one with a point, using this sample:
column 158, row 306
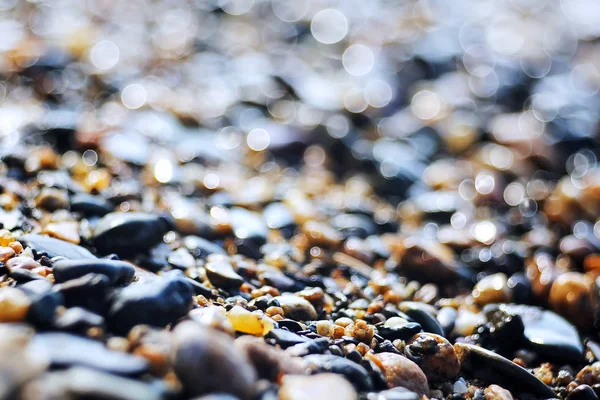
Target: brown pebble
column 52, row 199
column 492, row 289
column 269, row 362
column 435, row 355
column 400, row 371
column 495, row 392
column 317, row 387
column 571, row 295
column 14, row 305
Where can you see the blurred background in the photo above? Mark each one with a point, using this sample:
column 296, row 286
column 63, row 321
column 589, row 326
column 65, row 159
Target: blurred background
column 387, row 87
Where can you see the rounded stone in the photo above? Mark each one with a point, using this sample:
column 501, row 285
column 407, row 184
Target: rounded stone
column 400, row 371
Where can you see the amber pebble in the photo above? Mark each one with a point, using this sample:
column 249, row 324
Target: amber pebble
column 66, row 230
column 6, row 237
column 316, row 387
column 435, row 355
column 16, row 246
column 541, row 272
column 572, row 296
column 6, row 253
column 495, row 392
column 245, row 321
column 400, row 371
column 590, row 374
column 492, row 289
column 14, row 305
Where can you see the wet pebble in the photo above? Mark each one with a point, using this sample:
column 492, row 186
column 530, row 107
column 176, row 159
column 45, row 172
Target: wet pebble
column 424, row 315
column 126, row 233
column 89, row 291
column 205, row 361
column 400, row 371
column 548, row 333
column 90, row 205
column 117, row 272
column 157, row 302
column 434, row 355
column 491, row 367
column 52, row 247
column 353, row 372
column 297, row 308
column 221, row 274
column 582, row 392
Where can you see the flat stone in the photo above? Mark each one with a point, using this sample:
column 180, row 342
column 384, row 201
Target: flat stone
column 64, row 349
column 117, row 272
column 493, row 368
column 52, row 247
column 80, row 382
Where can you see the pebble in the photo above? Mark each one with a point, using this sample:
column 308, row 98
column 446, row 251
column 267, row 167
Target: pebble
column 221, row 274
column 205, row 361
column 89, row 291
column 89, row 205
column 495, row 392
column 14, row 305
column 201, row 248
column 214, row 317
column 398, row 328
column 125, row 233
column 117, row 272
column 52, row 199
column 489, row 367
column 582, row 392
column 269, row 362
column 182, row 259
column 52, row 247
column 78, row 320
column 297, row 308
column 492, row 289
column 572, row 295
column 434, row 355
column 400, row 371
column 353, row 372
column 65, row 230
column 548, row 333
column 44, row 303
column 316, row 387
column 248, row 322
column 64, row 349
column 424, row 315
column 158, row 302
column 80, row 382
